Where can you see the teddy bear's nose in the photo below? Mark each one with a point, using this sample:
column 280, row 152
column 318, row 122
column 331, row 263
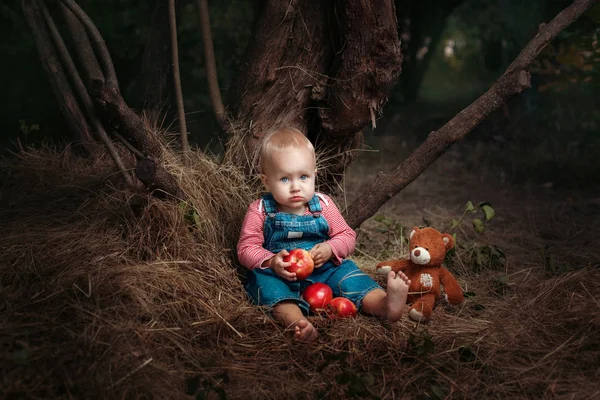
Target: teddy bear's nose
column 417, row 253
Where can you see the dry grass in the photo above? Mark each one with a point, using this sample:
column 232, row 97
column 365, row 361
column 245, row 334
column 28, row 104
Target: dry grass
column 107, row 293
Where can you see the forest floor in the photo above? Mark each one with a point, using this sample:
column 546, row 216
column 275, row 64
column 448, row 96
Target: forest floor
column 105, row 298
column 539, row 225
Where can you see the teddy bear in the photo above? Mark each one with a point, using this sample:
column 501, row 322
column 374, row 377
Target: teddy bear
column 428, row 249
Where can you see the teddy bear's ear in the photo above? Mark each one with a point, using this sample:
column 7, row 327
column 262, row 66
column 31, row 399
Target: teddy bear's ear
column 412, row 232
column 448, row 240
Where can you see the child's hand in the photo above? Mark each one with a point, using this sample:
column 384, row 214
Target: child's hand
column 279, row 266
column 321, row 253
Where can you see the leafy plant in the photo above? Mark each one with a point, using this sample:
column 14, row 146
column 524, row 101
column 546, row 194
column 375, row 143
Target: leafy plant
column 478, row 225
column 478, row 256
column 190, row 214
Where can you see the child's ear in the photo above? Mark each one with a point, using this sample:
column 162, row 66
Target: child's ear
column 263, row 179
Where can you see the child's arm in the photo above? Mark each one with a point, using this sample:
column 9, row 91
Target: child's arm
column 250, row 250
column 341, row 237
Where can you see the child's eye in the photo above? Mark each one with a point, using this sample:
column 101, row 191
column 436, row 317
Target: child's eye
column 284, row 180
column 304, row 177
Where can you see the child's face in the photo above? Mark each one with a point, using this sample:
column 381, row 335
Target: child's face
column 290, row 177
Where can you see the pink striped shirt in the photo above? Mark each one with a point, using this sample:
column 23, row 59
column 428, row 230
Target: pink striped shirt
column 252, row 254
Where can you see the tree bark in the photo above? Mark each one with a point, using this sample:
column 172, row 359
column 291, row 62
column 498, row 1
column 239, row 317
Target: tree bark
column 83, row 48
column 56, row 75
column 117, row 114
column 325, row 68
column 285, row 60
column 515, row 79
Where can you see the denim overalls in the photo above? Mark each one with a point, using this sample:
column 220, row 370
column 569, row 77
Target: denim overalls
column 289, row 231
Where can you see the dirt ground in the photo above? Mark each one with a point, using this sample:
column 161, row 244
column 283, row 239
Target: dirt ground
column 534, row 222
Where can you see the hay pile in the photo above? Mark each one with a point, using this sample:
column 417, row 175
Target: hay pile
column 107, row 293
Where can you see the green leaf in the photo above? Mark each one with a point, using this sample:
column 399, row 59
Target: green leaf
column 182, row 205
column 503, row 279
column 379, row 218
column 387, row 221
column 469, row 294
column 488, row 211
column 469, row 206
column 478, row 225
column 478, row 307
column 454, row 223
column 196, row 218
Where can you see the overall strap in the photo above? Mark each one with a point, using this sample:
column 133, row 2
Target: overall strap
column 314, row 205
column 270, row 205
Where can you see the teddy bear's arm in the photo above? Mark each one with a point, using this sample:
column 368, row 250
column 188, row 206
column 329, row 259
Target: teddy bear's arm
column 393, row 265
column 451, row 286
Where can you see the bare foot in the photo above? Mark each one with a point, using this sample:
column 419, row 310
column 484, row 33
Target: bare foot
column 397, row 291
column 305, row 331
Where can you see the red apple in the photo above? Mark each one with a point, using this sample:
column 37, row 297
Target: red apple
column 341, row 307
column 317, row 295
column 301, row 263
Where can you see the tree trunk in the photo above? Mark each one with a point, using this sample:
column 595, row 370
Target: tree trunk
column 325, row 68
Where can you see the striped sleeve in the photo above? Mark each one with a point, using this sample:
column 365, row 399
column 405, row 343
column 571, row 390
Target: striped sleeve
column 250, row 250
column 342, row 238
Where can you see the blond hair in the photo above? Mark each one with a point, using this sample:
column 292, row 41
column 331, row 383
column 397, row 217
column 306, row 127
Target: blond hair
column 280, row 140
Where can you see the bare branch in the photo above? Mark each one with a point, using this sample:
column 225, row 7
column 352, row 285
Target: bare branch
column 83, row 47
column 98, row 42
column 83, row 95
column 110, row 101
column 211, row 67
column 515, row 79
column 177, row 80
column 56, row 75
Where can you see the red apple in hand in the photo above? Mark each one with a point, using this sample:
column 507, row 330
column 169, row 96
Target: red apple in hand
column 341, row 307
column 301, row 263
column 317, row 295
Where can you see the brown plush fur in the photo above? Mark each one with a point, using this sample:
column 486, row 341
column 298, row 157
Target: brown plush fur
column 428, row 249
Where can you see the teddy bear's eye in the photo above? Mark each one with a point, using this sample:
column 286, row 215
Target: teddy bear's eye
column 426, row 248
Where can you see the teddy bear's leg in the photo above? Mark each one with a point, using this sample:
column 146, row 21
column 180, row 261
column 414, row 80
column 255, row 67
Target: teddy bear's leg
column 421, row 309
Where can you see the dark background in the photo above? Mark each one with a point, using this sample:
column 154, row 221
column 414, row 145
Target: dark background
column 549, row 133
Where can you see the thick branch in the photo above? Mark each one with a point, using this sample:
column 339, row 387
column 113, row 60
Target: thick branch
column 54, row 70
column 211, row 68
column 83, row 47
column 99, row 45
column 83, row 95
column 513, row 81
column 177, row 80
column 118, row 114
